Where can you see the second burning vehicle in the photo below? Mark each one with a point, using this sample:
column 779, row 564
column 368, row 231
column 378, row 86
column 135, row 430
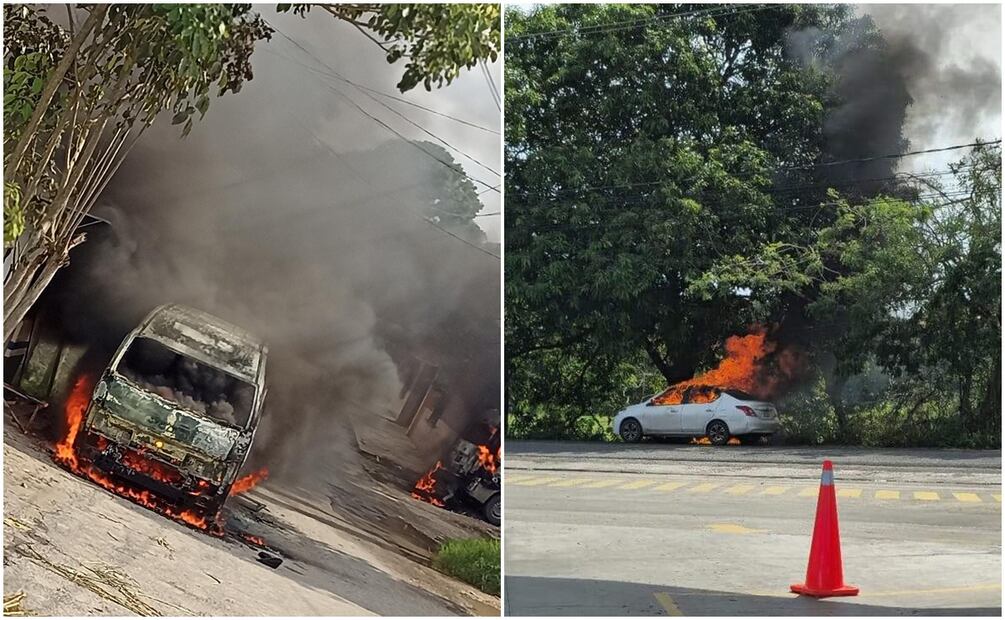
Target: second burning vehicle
column 176, row 410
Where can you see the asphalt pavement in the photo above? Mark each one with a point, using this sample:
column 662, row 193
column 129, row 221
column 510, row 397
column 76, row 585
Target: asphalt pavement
column 665, row 529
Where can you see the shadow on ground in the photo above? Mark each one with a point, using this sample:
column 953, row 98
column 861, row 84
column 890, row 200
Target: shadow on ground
column 550, row 596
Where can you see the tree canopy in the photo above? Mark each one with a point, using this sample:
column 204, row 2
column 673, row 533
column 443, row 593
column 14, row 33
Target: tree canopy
column 672, row 180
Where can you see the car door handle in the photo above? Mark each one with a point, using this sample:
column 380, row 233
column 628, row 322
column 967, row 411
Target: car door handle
column 709, row 410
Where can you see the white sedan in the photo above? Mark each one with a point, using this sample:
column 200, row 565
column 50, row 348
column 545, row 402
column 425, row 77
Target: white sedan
column 728, row 413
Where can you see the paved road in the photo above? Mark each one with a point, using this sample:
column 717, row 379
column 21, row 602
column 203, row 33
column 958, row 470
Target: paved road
column 663, row 529
column 76, row 549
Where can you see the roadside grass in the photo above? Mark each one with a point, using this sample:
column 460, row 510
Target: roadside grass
column 473, row 560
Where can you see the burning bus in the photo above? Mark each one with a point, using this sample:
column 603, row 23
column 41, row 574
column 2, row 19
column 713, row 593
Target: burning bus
column 173, row 415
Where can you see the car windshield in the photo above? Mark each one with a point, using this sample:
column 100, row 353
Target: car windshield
column 187, row 382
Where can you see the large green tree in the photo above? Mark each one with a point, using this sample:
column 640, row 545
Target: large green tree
column 635, row 157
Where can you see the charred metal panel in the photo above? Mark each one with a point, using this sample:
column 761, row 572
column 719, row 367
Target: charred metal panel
column 149, row 411
column 208, row 339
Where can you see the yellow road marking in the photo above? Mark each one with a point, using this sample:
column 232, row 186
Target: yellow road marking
column 533, row 482
column 928, row 496
column 601, row 484
column 967, row 497
column 774, row 490
column 572, row 482
column 667, row 603
column 731, row 528
column 809, row 492
column 514, row 478
column 849, row 493
column 639, row 484
column 887, row 495
column 739, row 489
column 704, row 487
column 997, row 497
column 669, row 486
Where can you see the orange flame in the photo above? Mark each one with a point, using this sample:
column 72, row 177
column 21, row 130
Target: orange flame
column 246, row 483
column 255, row 540
column 66, row 455
column 743, row 368
column 425, row 488
column 488, row 460
column 76, row 406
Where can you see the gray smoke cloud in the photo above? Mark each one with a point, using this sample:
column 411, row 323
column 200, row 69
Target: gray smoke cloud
column 931, row 78
column 288, row 212
column 950, row 57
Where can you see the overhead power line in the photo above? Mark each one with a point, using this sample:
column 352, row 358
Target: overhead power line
column 581, row 226
column 453, row 167
column 430, row 110
column 390, row 96
column 491, row 84
column 388, row 127
column 785, row 168
column 636, row 23
column 363, row 90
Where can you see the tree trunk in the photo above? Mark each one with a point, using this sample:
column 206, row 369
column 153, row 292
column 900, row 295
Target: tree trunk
column 15, row 312
column 49, row 91
column 679, row 370
column 834, row 389
column 990, row 413
column 964, row 389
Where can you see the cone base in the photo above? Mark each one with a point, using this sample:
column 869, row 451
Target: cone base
column 821, row 593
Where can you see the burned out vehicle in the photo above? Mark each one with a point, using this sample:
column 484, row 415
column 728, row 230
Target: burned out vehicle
column 472, row 476
column 176, row 410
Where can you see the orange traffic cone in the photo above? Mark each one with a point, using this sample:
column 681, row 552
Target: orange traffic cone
column 824, row 574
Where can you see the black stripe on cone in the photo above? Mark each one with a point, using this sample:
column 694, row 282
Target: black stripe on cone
column 824, row 573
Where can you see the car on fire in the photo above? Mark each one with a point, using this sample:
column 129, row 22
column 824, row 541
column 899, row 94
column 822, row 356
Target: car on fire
column 470, row 477
column 176, row 410
column 472, row 482
column 698, row 411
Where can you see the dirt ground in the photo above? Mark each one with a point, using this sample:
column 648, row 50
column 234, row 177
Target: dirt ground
column 358, row 546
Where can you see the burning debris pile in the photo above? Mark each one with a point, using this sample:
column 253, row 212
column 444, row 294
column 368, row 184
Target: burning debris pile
column 753, row 364
column 66, row 454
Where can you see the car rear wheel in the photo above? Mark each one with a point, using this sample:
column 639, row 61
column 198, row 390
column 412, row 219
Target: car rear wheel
column 718, row 433
column 631, row 431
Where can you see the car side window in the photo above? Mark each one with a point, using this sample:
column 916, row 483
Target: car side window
column 699, row 395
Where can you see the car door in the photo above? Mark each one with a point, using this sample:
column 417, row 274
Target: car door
column 695, row 416
column 662, row 418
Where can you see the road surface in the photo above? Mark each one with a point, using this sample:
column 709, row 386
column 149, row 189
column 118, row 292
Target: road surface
column 76, row 549
column 665, row 529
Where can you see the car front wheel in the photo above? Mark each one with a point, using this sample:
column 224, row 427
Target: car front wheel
column 631, row 431
column 718, row 433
